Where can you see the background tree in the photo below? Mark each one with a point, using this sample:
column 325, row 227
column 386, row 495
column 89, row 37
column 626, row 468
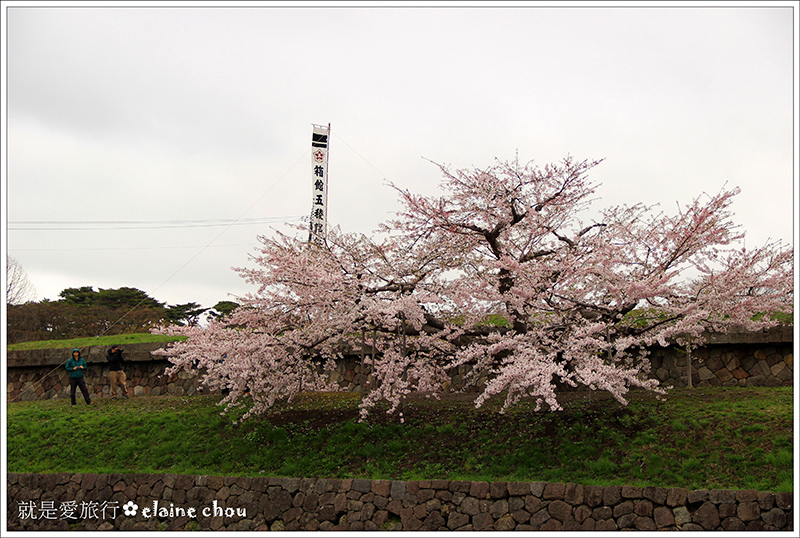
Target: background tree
column 19, row 289
column 114, row 298
column 502, row 274
column 221, row 309
column 84, row 312
column 185, row 314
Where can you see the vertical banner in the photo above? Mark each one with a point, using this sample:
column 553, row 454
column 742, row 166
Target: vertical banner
column 319, row 180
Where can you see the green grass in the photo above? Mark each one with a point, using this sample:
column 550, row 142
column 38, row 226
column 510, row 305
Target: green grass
column 704, row 438
column 120, row 339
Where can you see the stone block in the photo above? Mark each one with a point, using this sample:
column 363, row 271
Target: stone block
column 498, row 490
column 397, row 490
column 444, row 495
column 394, row 506
column 714, row 362
column 775, row 518
column 582, row 513
column 505, row 523
column 440, row 484
column 766, row 500
column 537, row 489
column 732, row 524
column 643, row 508
column 310, row 504
column 756, row 525
column 657, row 495
column 554, row 490
column 682, row 516
column 470, row 506
column 720, row 496
column 540, row 517
column 746, row 495
column 498, row 508
column 602, row 512
column 521, row 516
column 727, row 510
column 642, row 523
column 784, row 500
column 560, row 510
column 707, row 516
column 552, row 525
column 772, row 381
column 519, row 488
column 515, row 503
column 380, row 517
column 777, row 368
column 663, row 517
column 362, row 485
column 593, row 495
column 740, row 373
column 623, row 508
column 433, row 505
column 479, row 490
column 424, row 495
column 697, row 496
column 612, row 495
column 606, row 525
column 532, row 504
column 460, row 486
column 748, row 511
column 755, row 380
column 631, row 492
column 381, row 487
column 627, row 521
column 573, row 494
column 482, row 522
column 456, row 520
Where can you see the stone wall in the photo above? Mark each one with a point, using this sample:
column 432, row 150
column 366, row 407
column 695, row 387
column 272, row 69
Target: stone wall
column 740, row 359
column 40, row 374
column 157, row 502
column 734, row 359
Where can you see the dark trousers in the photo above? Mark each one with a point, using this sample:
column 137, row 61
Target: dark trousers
column 75, row 382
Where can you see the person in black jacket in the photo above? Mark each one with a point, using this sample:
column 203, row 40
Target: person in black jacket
column 116, row 375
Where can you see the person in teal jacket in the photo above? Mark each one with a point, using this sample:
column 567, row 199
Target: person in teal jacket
column 76, row 367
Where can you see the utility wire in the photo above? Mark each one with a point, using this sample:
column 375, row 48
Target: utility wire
column 34, row 385
column 170, row 224
column 362, row 157
column 128, row 248
column 140, row 225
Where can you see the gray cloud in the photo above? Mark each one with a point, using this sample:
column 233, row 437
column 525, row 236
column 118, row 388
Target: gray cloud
column 143, row 113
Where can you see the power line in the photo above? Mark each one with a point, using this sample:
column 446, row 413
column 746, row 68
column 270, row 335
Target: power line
column 102, row 225
column 208, row 245
column 129, row 248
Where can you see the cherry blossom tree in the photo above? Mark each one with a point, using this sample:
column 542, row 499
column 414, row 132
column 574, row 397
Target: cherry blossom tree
column 509, row 274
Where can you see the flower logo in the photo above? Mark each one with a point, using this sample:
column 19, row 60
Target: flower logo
column 130, row 508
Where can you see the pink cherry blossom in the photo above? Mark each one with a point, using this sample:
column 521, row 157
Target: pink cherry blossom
column 499, row 275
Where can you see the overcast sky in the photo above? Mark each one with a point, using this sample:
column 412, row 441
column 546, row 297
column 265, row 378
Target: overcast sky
column 136, row 135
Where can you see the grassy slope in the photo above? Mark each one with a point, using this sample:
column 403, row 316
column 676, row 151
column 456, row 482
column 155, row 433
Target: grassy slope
column 706, row 438
column 119, row 339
